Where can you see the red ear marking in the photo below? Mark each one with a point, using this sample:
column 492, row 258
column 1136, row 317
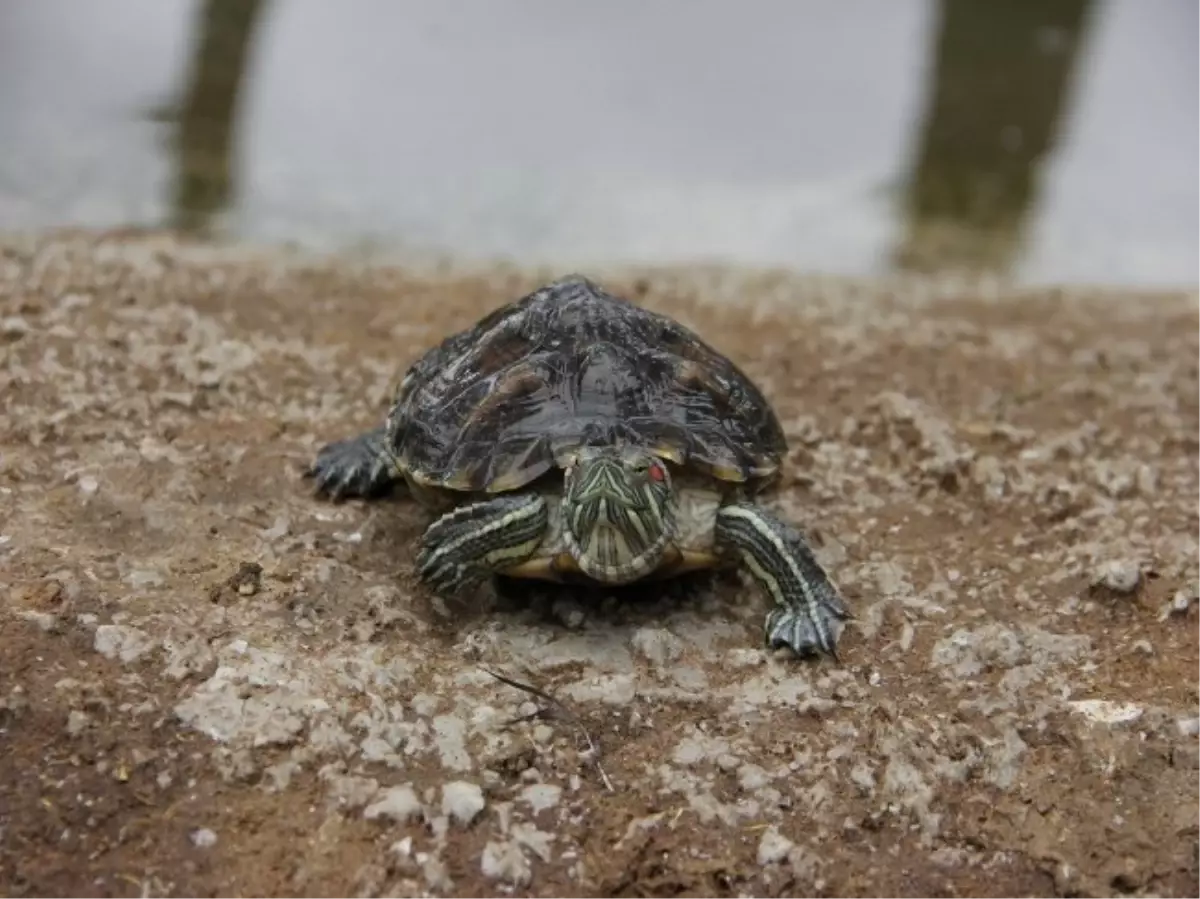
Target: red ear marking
column 657, row 473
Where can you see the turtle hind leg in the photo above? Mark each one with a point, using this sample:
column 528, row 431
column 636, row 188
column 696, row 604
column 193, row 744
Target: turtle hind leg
column 808, row 612
column 358, row 466
column 473, row 542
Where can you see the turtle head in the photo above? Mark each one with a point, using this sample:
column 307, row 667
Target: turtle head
column 618, row 512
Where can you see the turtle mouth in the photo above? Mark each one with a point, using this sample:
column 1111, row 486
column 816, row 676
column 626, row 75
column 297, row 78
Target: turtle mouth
column 618, row 517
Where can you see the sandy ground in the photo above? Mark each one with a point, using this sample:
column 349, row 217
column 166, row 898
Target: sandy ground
column 212, row 682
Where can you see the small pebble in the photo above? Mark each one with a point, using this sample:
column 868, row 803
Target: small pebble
column 77, row 722
column 1119, row 575
column 1178, row 605
column 14, row 327
column 203, row 838
column 657, row 645
column 1106, row 711
column 773, row 847
column 44, row 620
column 462, row 801
column 505, row 861
column 752, row 777
column 397, row 803
column 541, row 796
column 689, row 677
column 728, row 762
column 1188, row 727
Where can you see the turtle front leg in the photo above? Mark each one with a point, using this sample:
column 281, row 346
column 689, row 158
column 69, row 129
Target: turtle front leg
column 358, row 466
column 473, row 542
column 808, row 610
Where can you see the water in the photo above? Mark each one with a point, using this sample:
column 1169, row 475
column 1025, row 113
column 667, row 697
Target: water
column 1046, row 140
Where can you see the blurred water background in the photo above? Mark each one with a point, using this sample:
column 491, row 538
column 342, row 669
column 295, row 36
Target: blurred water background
column 1040, row 140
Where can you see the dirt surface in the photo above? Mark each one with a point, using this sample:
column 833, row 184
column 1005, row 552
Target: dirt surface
column 212, row 682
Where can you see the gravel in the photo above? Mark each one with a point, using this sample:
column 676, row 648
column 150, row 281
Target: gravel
column 281, row 676
column 397, row 804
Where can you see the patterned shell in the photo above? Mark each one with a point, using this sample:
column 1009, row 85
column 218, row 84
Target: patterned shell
column 498, row 405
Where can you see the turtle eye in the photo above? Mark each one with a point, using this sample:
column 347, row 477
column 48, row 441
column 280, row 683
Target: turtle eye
column 656, row 472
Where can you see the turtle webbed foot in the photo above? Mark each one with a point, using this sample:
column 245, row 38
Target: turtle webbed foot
column 804, row 633
column 809, row 612
column 358, row 466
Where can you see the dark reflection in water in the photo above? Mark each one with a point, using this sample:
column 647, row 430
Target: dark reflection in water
column 203, row 142
column 1049, row 140
column 998, row 89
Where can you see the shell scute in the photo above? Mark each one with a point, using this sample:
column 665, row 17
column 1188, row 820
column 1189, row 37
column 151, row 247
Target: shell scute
column 497, row 405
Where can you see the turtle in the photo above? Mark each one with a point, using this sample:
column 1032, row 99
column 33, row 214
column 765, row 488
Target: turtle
column 573, row 435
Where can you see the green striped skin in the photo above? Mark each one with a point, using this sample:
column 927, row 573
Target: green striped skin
column 616, row 517
column 808, row 611
column 619, row 513
column 471, row 543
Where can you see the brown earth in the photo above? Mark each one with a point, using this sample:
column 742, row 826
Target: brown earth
column 213, row 683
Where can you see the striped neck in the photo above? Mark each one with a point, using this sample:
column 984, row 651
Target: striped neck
column 618, row 513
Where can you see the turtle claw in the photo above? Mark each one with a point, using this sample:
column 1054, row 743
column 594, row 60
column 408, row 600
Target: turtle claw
column 358, row 466
column 804, row 635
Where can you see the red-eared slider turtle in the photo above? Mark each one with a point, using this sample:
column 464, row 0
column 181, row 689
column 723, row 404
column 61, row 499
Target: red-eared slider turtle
column 572, row 434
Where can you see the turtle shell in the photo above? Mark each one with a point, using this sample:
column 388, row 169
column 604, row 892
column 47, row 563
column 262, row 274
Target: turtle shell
column 570, row 365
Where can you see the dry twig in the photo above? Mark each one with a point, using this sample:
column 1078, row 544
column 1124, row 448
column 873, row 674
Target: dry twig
column 555, row 707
